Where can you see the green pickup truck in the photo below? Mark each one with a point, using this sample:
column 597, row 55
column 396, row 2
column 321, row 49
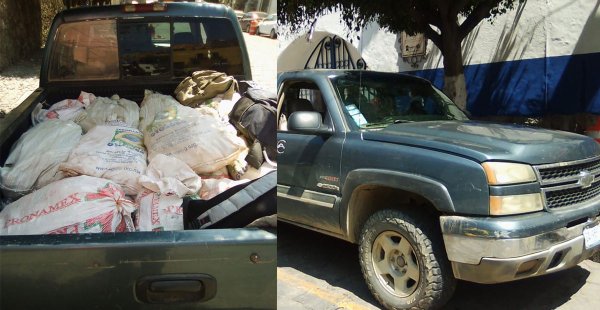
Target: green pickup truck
column 388, row 162
column 124, row 50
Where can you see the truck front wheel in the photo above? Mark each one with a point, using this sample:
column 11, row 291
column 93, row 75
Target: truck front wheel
column 404, row 262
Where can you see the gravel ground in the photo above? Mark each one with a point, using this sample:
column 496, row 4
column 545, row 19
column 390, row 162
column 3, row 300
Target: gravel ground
column 17, row 82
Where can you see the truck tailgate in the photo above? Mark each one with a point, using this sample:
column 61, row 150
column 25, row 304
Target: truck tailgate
column 105, row 271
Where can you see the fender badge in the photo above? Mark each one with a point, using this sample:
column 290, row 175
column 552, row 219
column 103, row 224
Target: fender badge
column 281, row 146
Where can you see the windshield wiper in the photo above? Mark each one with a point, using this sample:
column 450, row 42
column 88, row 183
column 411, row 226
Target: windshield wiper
column 386, row 123
column 400, row 121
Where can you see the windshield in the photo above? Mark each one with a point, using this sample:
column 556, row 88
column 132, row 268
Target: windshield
column 376, row 101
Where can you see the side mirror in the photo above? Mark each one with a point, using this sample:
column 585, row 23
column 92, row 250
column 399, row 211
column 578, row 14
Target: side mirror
column 308, row 122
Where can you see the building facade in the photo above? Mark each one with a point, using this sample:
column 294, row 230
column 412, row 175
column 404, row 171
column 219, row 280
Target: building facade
column 541, row 58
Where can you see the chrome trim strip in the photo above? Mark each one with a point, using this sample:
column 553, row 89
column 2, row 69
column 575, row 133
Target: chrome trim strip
column 568, row 163
column 307, row 196
column 564, row 180
column 568, row 186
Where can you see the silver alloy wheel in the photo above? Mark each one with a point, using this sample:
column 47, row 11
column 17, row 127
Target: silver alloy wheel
column 395, row 263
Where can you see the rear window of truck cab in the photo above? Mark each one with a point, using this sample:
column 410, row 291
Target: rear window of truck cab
column 131, row 49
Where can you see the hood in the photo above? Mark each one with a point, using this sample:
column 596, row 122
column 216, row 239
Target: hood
column 484, row 141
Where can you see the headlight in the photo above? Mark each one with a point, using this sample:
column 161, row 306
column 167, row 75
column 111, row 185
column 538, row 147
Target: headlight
column 515, row 204
column 499, row 173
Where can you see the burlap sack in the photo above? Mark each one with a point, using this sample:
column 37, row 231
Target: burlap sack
column 204, row 85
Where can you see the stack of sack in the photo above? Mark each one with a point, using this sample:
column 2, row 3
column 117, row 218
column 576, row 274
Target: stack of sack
column 98, row 164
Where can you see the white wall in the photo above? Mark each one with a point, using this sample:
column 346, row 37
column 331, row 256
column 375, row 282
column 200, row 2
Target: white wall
column 539, row 28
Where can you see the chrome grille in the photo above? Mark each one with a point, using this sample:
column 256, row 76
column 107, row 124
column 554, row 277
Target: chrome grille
column 571, row 196
column 563, row 184
column 559, row 174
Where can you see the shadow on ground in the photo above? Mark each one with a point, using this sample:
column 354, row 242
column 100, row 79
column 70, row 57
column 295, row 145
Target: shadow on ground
column 329, row 259
column 27, row 67
column 336, row 262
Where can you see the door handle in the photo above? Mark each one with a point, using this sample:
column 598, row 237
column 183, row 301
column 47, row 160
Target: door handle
column 175, row 288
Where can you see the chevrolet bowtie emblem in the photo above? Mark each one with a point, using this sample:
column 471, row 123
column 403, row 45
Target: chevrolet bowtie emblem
column 585, row 179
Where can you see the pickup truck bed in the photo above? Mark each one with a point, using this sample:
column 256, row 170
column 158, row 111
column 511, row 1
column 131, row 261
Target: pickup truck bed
column 65, row 269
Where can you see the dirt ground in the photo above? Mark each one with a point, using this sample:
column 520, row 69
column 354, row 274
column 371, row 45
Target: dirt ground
column 17, row 82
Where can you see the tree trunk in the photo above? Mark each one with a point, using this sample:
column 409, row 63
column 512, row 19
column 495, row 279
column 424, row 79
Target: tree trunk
column 455, row 89
column 454, row 79
column 20, row 25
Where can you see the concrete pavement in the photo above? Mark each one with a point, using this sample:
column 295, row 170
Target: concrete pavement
column 320, row 272
column 263, row 54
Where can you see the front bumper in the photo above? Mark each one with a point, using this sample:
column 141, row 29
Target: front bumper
column 494, row 250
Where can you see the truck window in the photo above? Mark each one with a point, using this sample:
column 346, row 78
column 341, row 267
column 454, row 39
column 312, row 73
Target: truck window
column 304, row 96
column 209, row 43
column 109, row 50
column 145, row 49
column 85, row 51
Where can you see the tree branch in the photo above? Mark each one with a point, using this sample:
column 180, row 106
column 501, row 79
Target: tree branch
column 435, row 37
column 479, row 13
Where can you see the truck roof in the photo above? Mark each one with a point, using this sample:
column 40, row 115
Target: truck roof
column 190, row 9
column 332, row 73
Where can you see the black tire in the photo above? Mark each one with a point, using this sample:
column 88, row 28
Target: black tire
column 273, row 34
column 435, row 283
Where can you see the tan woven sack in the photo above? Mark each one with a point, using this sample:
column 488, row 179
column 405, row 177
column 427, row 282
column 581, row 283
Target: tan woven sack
column 204, row 85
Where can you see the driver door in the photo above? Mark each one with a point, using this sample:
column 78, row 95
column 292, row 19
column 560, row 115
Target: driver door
column 308, row 183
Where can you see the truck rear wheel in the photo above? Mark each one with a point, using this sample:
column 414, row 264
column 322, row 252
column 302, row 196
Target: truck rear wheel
column 404, row 262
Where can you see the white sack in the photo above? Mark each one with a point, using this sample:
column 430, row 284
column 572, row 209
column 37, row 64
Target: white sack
column 104, row 110
column 169, row 175
column 86, row 98
column 198, row 140
column 153, row 104
column 111, row 152
column 222, row 106
column 35, row 157
column 158, row 212
column 212, row 187
column 73, row 205
column 68, row 109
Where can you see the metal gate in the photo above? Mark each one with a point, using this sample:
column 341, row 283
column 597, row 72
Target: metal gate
column 333, row 53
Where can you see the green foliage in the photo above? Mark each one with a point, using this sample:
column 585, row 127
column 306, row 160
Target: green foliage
column 49, row 8
column 395, row 15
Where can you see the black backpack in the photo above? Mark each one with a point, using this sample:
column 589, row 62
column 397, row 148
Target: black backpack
column 254, row 116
